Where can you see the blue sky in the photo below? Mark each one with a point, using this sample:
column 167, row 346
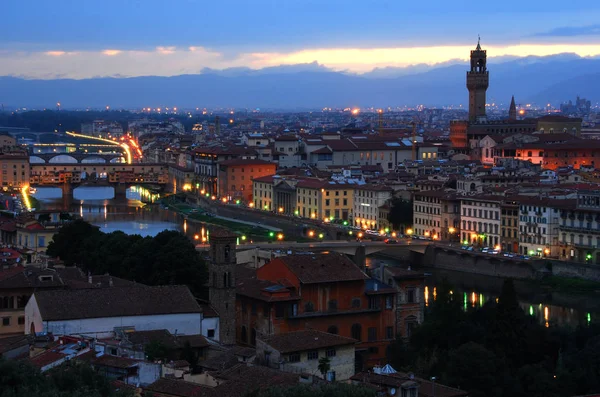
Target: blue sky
column 85, row 38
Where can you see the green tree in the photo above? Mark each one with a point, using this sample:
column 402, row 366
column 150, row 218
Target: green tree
column 474, row 368
column 156, row 351
column 401, row 213
column 74, row 242
column 328, row 390
column 324, row 365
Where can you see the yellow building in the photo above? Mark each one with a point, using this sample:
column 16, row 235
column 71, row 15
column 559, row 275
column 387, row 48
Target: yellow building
column 15, row 170
column 34, row 236
column 262, row 192
column 323, row 199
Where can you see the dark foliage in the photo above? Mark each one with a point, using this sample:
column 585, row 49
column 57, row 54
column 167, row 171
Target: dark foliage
column 328, row 390
column 498, row 350
column 18, row 379
column 401, row 213
column 167, row 258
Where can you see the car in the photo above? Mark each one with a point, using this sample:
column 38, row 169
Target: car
column 391, row 241
column 494, row 252
column 506, row 254
column 470, row 249
column 526, row 257
column 464, row 247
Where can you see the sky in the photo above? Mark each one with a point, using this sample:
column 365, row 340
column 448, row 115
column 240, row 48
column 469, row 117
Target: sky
column 78, row 39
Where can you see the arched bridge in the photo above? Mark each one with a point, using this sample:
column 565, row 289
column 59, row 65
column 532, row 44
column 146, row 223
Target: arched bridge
column 76, row 158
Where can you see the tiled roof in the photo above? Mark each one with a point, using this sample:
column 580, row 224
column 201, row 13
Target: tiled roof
column 221, row 232
column 115, row 302
column 322, row 268
column 306, row 340
column 179, row 388
column 240, row 162
column 242, row 379
column 12, row 342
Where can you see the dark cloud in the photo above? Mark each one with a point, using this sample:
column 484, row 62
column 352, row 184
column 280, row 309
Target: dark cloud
column 571, row 31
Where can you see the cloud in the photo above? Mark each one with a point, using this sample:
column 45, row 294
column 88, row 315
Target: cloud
column 571, row 31
column 193, row 59
column 111, row 53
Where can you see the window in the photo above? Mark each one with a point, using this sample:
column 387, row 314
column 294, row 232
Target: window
column 210, row 333
column 356, row 332
column 330, row 376
column 279, row 311
column 373, row 302
column 332, row 329
column 294, row 358
column 372, row 334
column 5, row 321
column 309, row 307
column 389, row 332
column 330, row 353
column 356, row 303
column 253, row 310
column 313, row 355
column 332, row 305
column 410, row 296
column 389, row 302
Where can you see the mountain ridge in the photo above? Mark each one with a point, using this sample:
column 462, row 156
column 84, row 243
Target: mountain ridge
column 551, row 79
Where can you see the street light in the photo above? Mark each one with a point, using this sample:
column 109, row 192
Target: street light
column 451, row 230
column 280, row 209
column 409, row 231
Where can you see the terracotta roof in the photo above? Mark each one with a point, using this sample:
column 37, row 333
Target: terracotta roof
column 306, row 340
column 240, row 162
column 106, row 360
column 401, row 273
column 322, row 268
column 207, row 310
column 179, row 388
column 398, row 379
column 115, row 302
column 242, row 379
column 288, row 138
column 46, row 358
column 221, row 362
column 12, row 342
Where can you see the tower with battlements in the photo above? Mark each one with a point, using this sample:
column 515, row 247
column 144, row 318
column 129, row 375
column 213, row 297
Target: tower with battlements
column 478, row 80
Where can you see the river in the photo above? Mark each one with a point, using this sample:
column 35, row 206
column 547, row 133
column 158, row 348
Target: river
column 98, row 206
column 550, row 308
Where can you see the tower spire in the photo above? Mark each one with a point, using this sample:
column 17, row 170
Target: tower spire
column 512, row 112
column 478, row 43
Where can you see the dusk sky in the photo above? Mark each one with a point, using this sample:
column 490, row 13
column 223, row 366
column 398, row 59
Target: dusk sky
column 88, row 38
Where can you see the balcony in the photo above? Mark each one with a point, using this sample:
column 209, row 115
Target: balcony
column 578, row 229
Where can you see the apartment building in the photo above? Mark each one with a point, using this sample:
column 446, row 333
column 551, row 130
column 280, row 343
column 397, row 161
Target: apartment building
column 579, row 228
column 436, row 214
column 480, row 218
column 367, row 200
column 538, row 226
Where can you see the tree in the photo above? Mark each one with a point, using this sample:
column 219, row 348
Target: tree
column 188, row 354
column 328, row 390
column 44, row 218
column 72, row 242
column 19, row 379
column 156, row 350
column 474, row 368
column 324, row 365
column 401, row 213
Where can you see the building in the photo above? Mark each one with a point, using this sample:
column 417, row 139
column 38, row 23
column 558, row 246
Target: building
column 288, row 151
column 300, row 352
column 478, row 81
column 262, row 192
column 554, row 124
column 324, row 292
column 235, row 177
column 222, row 282
column 538, row 226
column 579, row 228
column 509, row 233
column 436, row 214
column 410, row 302
column 99, row 311
column 480, row 220
column 15, row 169
column 387, row 382
column 34, row 235
column 367, row 201
column 206, row 162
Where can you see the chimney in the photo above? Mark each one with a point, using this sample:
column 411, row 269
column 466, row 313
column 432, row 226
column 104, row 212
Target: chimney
column 90, row 277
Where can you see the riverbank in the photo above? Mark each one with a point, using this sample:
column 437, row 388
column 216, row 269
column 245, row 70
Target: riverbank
column 246, row 230
column 569, row 285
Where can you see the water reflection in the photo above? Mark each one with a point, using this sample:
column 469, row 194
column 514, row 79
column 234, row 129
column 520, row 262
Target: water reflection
column 548, row 307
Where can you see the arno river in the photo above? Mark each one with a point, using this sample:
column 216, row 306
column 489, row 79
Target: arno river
column 97, row 205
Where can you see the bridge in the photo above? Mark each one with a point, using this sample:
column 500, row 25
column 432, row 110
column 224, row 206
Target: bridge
column 359, row 250
column 74, row 158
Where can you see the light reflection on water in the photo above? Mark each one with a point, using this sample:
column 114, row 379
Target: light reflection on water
column 98, row 206
column 547, row 307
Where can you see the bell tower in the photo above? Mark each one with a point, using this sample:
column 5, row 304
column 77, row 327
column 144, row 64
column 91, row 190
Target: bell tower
column 222, row 281
column 478, row 80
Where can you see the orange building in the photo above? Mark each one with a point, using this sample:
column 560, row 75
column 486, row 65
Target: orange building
column 235, row 176
column 15, row 169
column 325, row 292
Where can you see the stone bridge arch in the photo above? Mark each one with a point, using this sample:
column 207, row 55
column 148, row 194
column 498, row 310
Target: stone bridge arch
column 63, row 159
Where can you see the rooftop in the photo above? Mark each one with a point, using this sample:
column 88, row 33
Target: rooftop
column 306, row 340
column 322, row 268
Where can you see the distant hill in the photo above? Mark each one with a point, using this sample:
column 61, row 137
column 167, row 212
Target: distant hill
column 551, row 79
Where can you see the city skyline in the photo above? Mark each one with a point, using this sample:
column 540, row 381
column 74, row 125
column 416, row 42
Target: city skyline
column 126, row 39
